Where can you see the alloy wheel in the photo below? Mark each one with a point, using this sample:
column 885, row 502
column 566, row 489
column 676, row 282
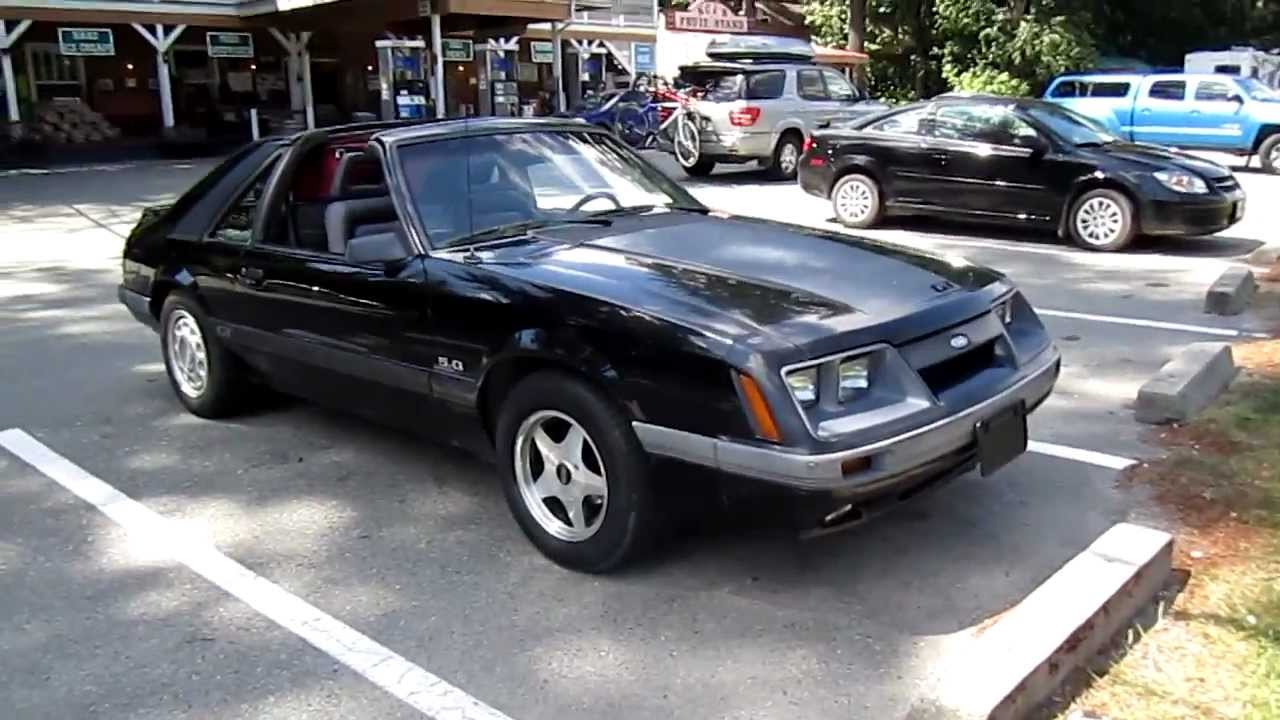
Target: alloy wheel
column 788, row 158
column 854, row 201
column 1100, row 221
column 188, row 357
column 1274, row 157
column 561, row 476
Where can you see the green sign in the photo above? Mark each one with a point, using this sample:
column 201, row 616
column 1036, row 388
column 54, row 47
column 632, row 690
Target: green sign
column 229, row 44
column 455, row 50
column 86, row 41
column 542, row 51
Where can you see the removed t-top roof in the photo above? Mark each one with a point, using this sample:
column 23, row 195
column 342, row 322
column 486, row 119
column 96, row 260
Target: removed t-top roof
column 747, row 48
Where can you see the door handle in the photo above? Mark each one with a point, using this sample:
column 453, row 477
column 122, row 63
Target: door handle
column 940, row 157
column 251, row 276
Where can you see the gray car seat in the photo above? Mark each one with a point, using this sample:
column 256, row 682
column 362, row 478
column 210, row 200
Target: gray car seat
column 344, row 219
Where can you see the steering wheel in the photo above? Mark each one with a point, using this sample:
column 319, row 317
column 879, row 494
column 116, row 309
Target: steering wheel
column 602, row 195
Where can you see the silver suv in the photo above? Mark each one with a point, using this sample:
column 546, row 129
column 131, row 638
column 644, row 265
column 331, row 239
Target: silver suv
column 763, row 111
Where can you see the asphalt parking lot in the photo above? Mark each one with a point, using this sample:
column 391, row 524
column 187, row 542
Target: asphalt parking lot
column 412, row 546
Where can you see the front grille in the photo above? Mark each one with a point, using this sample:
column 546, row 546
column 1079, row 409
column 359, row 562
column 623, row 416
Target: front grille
column 1227, row 184
column 955, row 370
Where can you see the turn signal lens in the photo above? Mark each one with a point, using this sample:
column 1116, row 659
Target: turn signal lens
column 808, row 143
column 744, row 116
column 762, row 418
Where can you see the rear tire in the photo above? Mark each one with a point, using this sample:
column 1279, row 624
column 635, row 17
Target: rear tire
column 856, row 201
column 207, row 378
column 702, row 168
column 1102, row 220
column 786, row 157
column 603, row 476
column 1269, row 154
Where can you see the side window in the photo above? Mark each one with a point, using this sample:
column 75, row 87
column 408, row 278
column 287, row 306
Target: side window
column 1212, row 90
column 1168, row 90
column 1109, row 89
column 809, row 85
column 838, row 88
column 904, row 123
column 1065, row 89
column 990, row 124
column 236, row 226
column 766, row 85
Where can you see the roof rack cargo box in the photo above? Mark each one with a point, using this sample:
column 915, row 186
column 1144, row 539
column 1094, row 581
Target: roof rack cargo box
column 760, row 48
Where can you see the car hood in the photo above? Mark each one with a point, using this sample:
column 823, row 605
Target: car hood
column 754, row 281
column 1155, row 157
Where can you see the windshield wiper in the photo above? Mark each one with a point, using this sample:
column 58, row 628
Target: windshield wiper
column 624, row 210
column 516, row 229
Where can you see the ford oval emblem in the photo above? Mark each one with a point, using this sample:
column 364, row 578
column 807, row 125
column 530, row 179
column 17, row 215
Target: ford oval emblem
column 959, row 341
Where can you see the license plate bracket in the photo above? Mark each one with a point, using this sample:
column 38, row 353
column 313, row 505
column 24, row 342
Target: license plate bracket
column 1001, row 438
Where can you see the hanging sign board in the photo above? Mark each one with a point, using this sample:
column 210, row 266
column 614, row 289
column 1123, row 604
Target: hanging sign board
column 86, row 41
column 229, row 44
column 709, row 16
column 642, row 57
column 455, row 50
column 542, row 51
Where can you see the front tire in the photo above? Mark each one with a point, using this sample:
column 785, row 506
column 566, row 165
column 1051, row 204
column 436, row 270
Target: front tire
column 1269, row 154
column 856, row 200
column 1102, row 220
column 207, row 378
column 574, row 474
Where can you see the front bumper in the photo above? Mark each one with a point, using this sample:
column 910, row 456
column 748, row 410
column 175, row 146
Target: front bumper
column 895, row 462
column 1191, row 216
column 139, row 306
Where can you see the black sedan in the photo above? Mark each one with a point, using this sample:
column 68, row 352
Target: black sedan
column 1026, row 161
column 536, row 291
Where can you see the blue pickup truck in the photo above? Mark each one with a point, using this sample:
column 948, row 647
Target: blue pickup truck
column 1189, row 111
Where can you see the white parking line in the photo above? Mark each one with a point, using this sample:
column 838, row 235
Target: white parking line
column 1157, row 324
column 425, row 692
column 1115, row 462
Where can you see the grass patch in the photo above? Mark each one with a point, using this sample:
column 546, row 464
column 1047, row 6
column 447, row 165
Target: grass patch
column 1216, row 653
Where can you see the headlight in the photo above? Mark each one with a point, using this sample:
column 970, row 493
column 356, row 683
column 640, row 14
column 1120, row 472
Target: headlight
column 1181, row 182
column 803, row 385
column 855, row 378
column 1004, row 311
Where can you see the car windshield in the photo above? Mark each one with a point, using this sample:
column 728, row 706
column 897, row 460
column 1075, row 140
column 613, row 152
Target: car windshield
column 1258, row 90
column 1071, row 126
column 474, row 189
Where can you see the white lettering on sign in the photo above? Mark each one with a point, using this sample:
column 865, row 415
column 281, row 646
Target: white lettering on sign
column 709, row 16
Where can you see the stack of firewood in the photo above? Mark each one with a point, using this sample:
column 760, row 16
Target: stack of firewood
column 73, row 123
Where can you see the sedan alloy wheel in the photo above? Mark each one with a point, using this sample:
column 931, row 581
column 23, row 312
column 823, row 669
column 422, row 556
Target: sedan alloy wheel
column 188, row 358
column 1100, row 221
column 561, row 476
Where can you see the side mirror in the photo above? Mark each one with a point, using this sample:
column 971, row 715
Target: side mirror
column 1235, row 98
column 380, row 248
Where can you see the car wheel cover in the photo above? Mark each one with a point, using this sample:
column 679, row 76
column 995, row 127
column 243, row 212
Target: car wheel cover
column 788, row 157
column 1099, row 221
column 1274, row 156
column 188, row 357
column 561, row 476
column 688, row 144
column 854, row 201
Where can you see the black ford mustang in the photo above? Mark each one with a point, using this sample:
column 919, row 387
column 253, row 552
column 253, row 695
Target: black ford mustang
column 536, row 288
column 1021, row 161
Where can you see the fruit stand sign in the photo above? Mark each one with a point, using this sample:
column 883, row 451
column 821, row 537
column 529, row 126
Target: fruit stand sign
column 709, row 16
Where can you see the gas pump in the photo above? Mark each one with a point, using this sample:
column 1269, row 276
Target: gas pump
column 402, row 78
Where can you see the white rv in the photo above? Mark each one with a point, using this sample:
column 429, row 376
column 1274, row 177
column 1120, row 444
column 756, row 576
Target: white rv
column 1238, row 61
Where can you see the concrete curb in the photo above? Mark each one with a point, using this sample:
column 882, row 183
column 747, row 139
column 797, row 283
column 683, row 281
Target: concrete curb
column 1022, row 659
column 1231, row 293
column 1186, row 384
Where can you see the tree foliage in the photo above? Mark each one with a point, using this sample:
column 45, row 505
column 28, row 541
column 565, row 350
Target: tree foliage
column 921, row 47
